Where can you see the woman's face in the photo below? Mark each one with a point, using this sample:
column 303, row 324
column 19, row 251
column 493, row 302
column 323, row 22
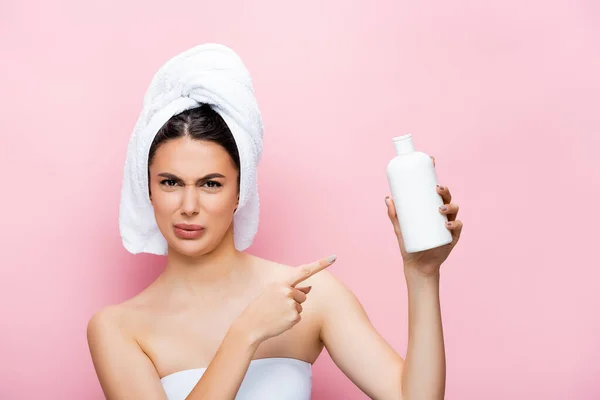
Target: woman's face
column 193, row 182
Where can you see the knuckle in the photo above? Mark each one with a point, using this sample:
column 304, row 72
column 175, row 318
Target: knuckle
column 305, row 271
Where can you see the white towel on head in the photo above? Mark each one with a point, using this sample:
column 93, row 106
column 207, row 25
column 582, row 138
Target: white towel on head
column 209, row 73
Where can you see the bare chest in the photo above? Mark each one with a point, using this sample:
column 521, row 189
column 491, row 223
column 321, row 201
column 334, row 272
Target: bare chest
column 189, row 338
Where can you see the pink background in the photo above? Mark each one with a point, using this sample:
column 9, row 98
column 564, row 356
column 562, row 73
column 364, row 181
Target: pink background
column 505, row 95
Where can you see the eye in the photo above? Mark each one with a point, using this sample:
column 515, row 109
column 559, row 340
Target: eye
column 166, row 181
column 213, row 184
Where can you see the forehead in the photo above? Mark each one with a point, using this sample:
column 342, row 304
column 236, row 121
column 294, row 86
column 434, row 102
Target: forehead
column 185, row 156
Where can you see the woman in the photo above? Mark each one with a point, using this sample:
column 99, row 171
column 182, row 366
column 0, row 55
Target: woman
column 220, row 323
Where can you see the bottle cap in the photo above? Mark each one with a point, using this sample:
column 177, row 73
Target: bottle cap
column 404, row 144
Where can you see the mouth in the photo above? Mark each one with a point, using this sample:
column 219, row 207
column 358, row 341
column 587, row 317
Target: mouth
column 186, row 231
column 189, row 227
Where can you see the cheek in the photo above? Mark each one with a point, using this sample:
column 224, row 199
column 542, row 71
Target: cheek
column 220, row 204
column 167, row 199
column 165, row 203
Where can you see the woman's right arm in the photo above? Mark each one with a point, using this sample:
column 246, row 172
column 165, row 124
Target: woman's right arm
column 126, row 372
column 123, row 369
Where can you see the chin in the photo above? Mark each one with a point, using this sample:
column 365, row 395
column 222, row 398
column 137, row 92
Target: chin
column 192, row 247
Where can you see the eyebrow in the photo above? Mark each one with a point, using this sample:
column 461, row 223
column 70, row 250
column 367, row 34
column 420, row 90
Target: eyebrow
column 204, row 178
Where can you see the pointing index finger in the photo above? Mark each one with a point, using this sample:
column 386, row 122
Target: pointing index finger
column 308, row 270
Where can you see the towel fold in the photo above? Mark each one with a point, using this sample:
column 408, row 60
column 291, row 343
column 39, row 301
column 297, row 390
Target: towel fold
column 209, row 73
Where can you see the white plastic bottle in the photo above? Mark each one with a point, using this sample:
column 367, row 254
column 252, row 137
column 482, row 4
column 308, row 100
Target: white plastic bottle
column 412, row 179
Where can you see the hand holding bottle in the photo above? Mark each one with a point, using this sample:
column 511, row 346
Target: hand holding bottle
column 424, row 218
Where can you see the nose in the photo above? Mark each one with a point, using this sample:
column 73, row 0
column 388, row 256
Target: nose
column 190, row 203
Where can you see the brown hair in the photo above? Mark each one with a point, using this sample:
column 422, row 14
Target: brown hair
column 200, row 123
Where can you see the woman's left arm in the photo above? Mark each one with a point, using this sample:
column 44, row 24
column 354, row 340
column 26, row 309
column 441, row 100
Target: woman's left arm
column 360, row 351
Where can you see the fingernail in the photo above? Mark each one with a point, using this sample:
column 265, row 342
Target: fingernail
column 386, row 199
column 449, row 223
column 443, row 208
column 441, row 187
column 331, row 259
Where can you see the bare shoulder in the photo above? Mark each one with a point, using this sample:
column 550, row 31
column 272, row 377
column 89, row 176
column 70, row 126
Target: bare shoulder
column 108, row 322
column 104, row 318
column 281, row 271
column 122, row 367
column 118, row 321
column 271, row 270
column 327, row 289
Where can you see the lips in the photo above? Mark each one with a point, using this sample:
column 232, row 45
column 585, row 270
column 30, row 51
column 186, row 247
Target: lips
column 187, row 231
column 188, row 227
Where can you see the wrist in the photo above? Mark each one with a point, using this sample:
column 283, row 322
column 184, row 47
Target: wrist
column 241, row 332
column 418, row 275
